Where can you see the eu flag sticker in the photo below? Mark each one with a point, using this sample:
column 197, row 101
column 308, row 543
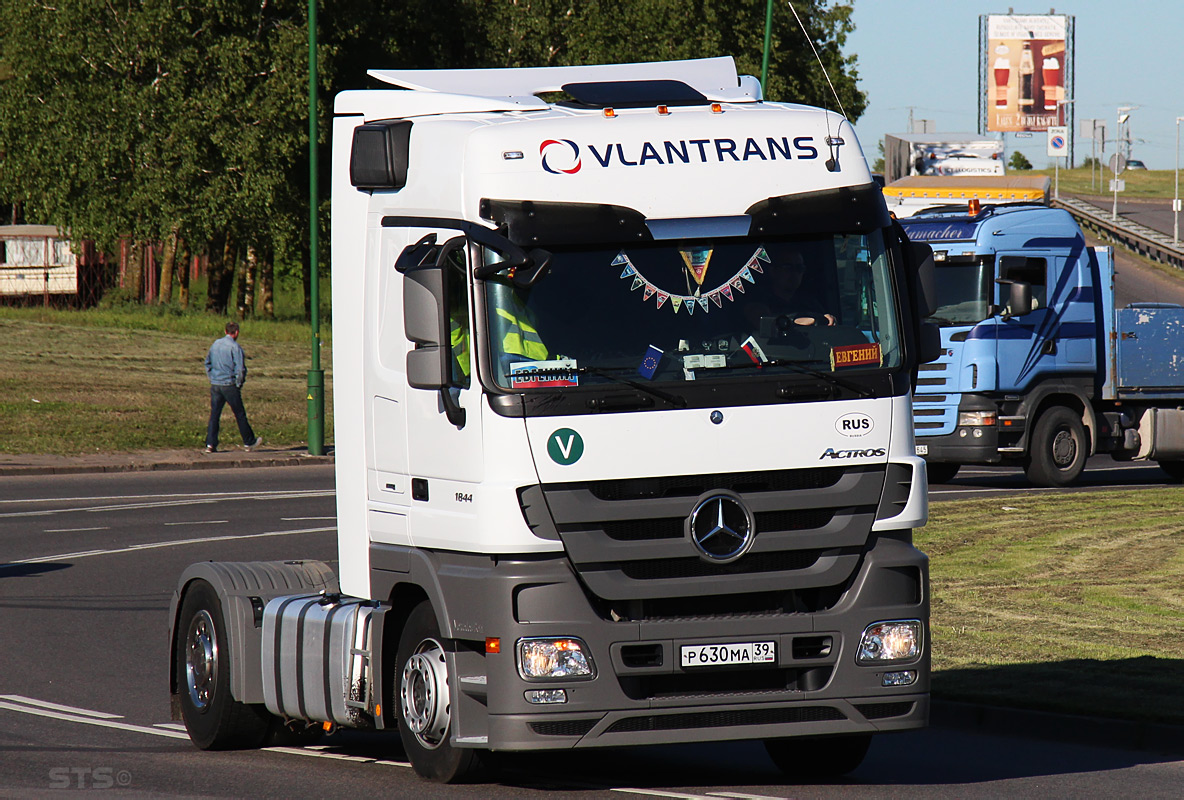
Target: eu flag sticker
column 649, row 363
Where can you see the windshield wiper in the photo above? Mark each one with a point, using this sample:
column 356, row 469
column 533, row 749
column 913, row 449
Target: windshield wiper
column 799, row 367
column 672, row 399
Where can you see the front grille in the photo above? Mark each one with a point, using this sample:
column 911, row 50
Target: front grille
column 725, row 719
column 722, row 684
column 885, row 710
column 789, row 480
column 563, row 727
column 627, row 538
column 697, row 568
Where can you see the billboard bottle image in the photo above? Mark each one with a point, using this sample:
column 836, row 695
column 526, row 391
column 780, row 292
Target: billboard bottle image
column 1027, row 70
column 1002, row 72
column 1052, row 83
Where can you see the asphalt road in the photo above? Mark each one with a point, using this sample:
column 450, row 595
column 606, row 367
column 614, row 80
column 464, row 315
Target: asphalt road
column 92, row 561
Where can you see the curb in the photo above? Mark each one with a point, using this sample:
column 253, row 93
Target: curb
column 1067, row 728
column 68, row 466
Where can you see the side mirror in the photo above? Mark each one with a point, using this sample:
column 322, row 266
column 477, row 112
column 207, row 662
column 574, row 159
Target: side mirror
column 426, row 290
column 930, row 345
column 921, row 255
column 1019, row 297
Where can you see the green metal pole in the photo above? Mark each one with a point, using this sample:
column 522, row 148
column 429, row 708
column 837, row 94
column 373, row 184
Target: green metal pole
column 768, row 44
column 316, row 376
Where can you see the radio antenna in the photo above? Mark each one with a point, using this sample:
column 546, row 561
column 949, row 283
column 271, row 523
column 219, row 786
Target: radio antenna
column 832, row 142
column 810, row 41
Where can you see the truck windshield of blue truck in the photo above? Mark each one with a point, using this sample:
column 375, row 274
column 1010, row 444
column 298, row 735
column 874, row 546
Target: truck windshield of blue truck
column 735, row 309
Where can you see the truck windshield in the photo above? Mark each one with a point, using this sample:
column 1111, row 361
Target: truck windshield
column 736, row 309
column 962, row 293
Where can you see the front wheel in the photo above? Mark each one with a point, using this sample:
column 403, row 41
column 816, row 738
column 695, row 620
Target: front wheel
column 213, row 718
column 941, row 471
column 1058, row 448
column 1174, row 469
column 818, row 758
column 425, row 703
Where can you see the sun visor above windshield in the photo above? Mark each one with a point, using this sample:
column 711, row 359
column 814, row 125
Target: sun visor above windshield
column 847, row 209
column 857, row 209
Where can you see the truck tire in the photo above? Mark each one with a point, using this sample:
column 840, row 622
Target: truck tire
column 213, row 718
column 425, row 707
column 941, row 471
column 818, row 758
column 1174, row 469
column 1058, row 448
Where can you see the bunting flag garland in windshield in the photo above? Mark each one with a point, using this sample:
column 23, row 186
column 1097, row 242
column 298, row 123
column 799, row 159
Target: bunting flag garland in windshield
column 679, row 302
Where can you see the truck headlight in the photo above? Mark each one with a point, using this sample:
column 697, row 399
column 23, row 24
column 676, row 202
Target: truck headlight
column 976, row 418
column 554, row 658
column 899, row 640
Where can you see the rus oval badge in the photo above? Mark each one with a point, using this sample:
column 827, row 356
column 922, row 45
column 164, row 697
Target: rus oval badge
column 854, row 425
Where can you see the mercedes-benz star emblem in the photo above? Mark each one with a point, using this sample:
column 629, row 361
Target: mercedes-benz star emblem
column 721, row 527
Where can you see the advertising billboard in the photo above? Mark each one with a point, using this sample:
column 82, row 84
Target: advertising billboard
column 1027, row 60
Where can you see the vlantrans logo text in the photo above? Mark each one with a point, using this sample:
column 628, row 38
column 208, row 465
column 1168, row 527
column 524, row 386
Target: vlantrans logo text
column 872, row 453
column 564, row 157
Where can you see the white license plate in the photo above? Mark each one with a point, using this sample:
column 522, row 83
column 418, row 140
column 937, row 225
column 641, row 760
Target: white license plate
column 725, row 655
column 922, row 449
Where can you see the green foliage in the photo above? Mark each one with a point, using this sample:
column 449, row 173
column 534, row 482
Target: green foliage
column 1019, row 161
column 147, row 118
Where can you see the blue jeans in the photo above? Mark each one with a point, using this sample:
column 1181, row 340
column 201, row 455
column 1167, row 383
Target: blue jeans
column 227, row 395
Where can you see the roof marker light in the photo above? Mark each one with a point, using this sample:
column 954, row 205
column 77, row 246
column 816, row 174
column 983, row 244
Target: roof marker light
column 663, row 111
column 609, row 113
column 716, row 108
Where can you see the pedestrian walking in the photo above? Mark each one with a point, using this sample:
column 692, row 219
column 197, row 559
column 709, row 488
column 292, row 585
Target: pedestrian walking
column 226, row 367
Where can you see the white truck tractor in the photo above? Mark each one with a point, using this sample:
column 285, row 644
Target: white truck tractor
column 622, row 365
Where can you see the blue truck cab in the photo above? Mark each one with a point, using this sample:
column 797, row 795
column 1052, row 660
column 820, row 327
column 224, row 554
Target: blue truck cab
column 1038, row 368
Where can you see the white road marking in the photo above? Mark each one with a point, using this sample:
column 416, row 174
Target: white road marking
column 660, row 793
column 157, row 545
column 308, row 519
column 166, row 501
column 16, row 698
column 172, row 726
column 76, row 530
column 743, row 796
column 200, row 522
column 105, row 723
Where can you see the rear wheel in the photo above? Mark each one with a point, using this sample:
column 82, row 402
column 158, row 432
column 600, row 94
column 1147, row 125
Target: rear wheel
column 1058, row 448
column 1174, row 469
column 425, row 703
column 941, row 471
column 818, row 758
column 213, row 718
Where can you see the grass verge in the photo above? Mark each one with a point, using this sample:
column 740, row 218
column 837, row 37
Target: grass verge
column 116, row 380
column 1140, row 183
column 1066, row 603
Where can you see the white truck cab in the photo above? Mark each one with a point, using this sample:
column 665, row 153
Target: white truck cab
column 623, row 434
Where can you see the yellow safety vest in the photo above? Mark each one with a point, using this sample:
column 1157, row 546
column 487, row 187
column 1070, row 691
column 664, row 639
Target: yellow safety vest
column 522, row 339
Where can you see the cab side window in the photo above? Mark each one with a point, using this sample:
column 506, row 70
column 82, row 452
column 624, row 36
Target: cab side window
column 458, row 317
column 1033, row 271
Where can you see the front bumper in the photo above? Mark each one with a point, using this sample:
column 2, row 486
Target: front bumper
column 641, row 694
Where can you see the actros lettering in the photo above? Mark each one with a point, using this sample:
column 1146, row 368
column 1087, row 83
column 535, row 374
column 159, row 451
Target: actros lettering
column 683, row 151
column 833, row 453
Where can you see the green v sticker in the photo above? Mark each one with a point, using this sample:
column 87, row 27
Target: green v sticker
column 565, row 446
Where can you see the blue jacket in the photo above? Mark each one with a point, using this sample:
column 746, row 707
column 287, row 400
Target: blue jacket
column 226, row 365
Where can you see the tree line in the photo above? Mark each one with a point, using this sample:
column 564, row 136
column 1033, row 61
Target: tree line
column 183, row 126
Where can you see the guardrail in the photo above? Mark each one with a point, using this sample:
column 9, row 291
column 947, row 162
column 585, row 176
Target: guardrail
column 1145, row 241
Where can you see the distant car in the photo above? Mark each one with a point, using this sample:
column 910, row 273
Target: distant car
column 1132, row 163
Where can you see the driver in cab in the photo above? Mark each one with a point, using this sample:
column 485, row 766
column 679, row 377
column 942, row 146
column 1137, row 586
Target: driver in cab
column 787, row 297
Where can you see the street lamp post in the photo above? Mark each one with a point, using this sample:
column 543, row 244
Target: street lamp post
column 1123, row 115
column 1056, row 169
column 1176, row 197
